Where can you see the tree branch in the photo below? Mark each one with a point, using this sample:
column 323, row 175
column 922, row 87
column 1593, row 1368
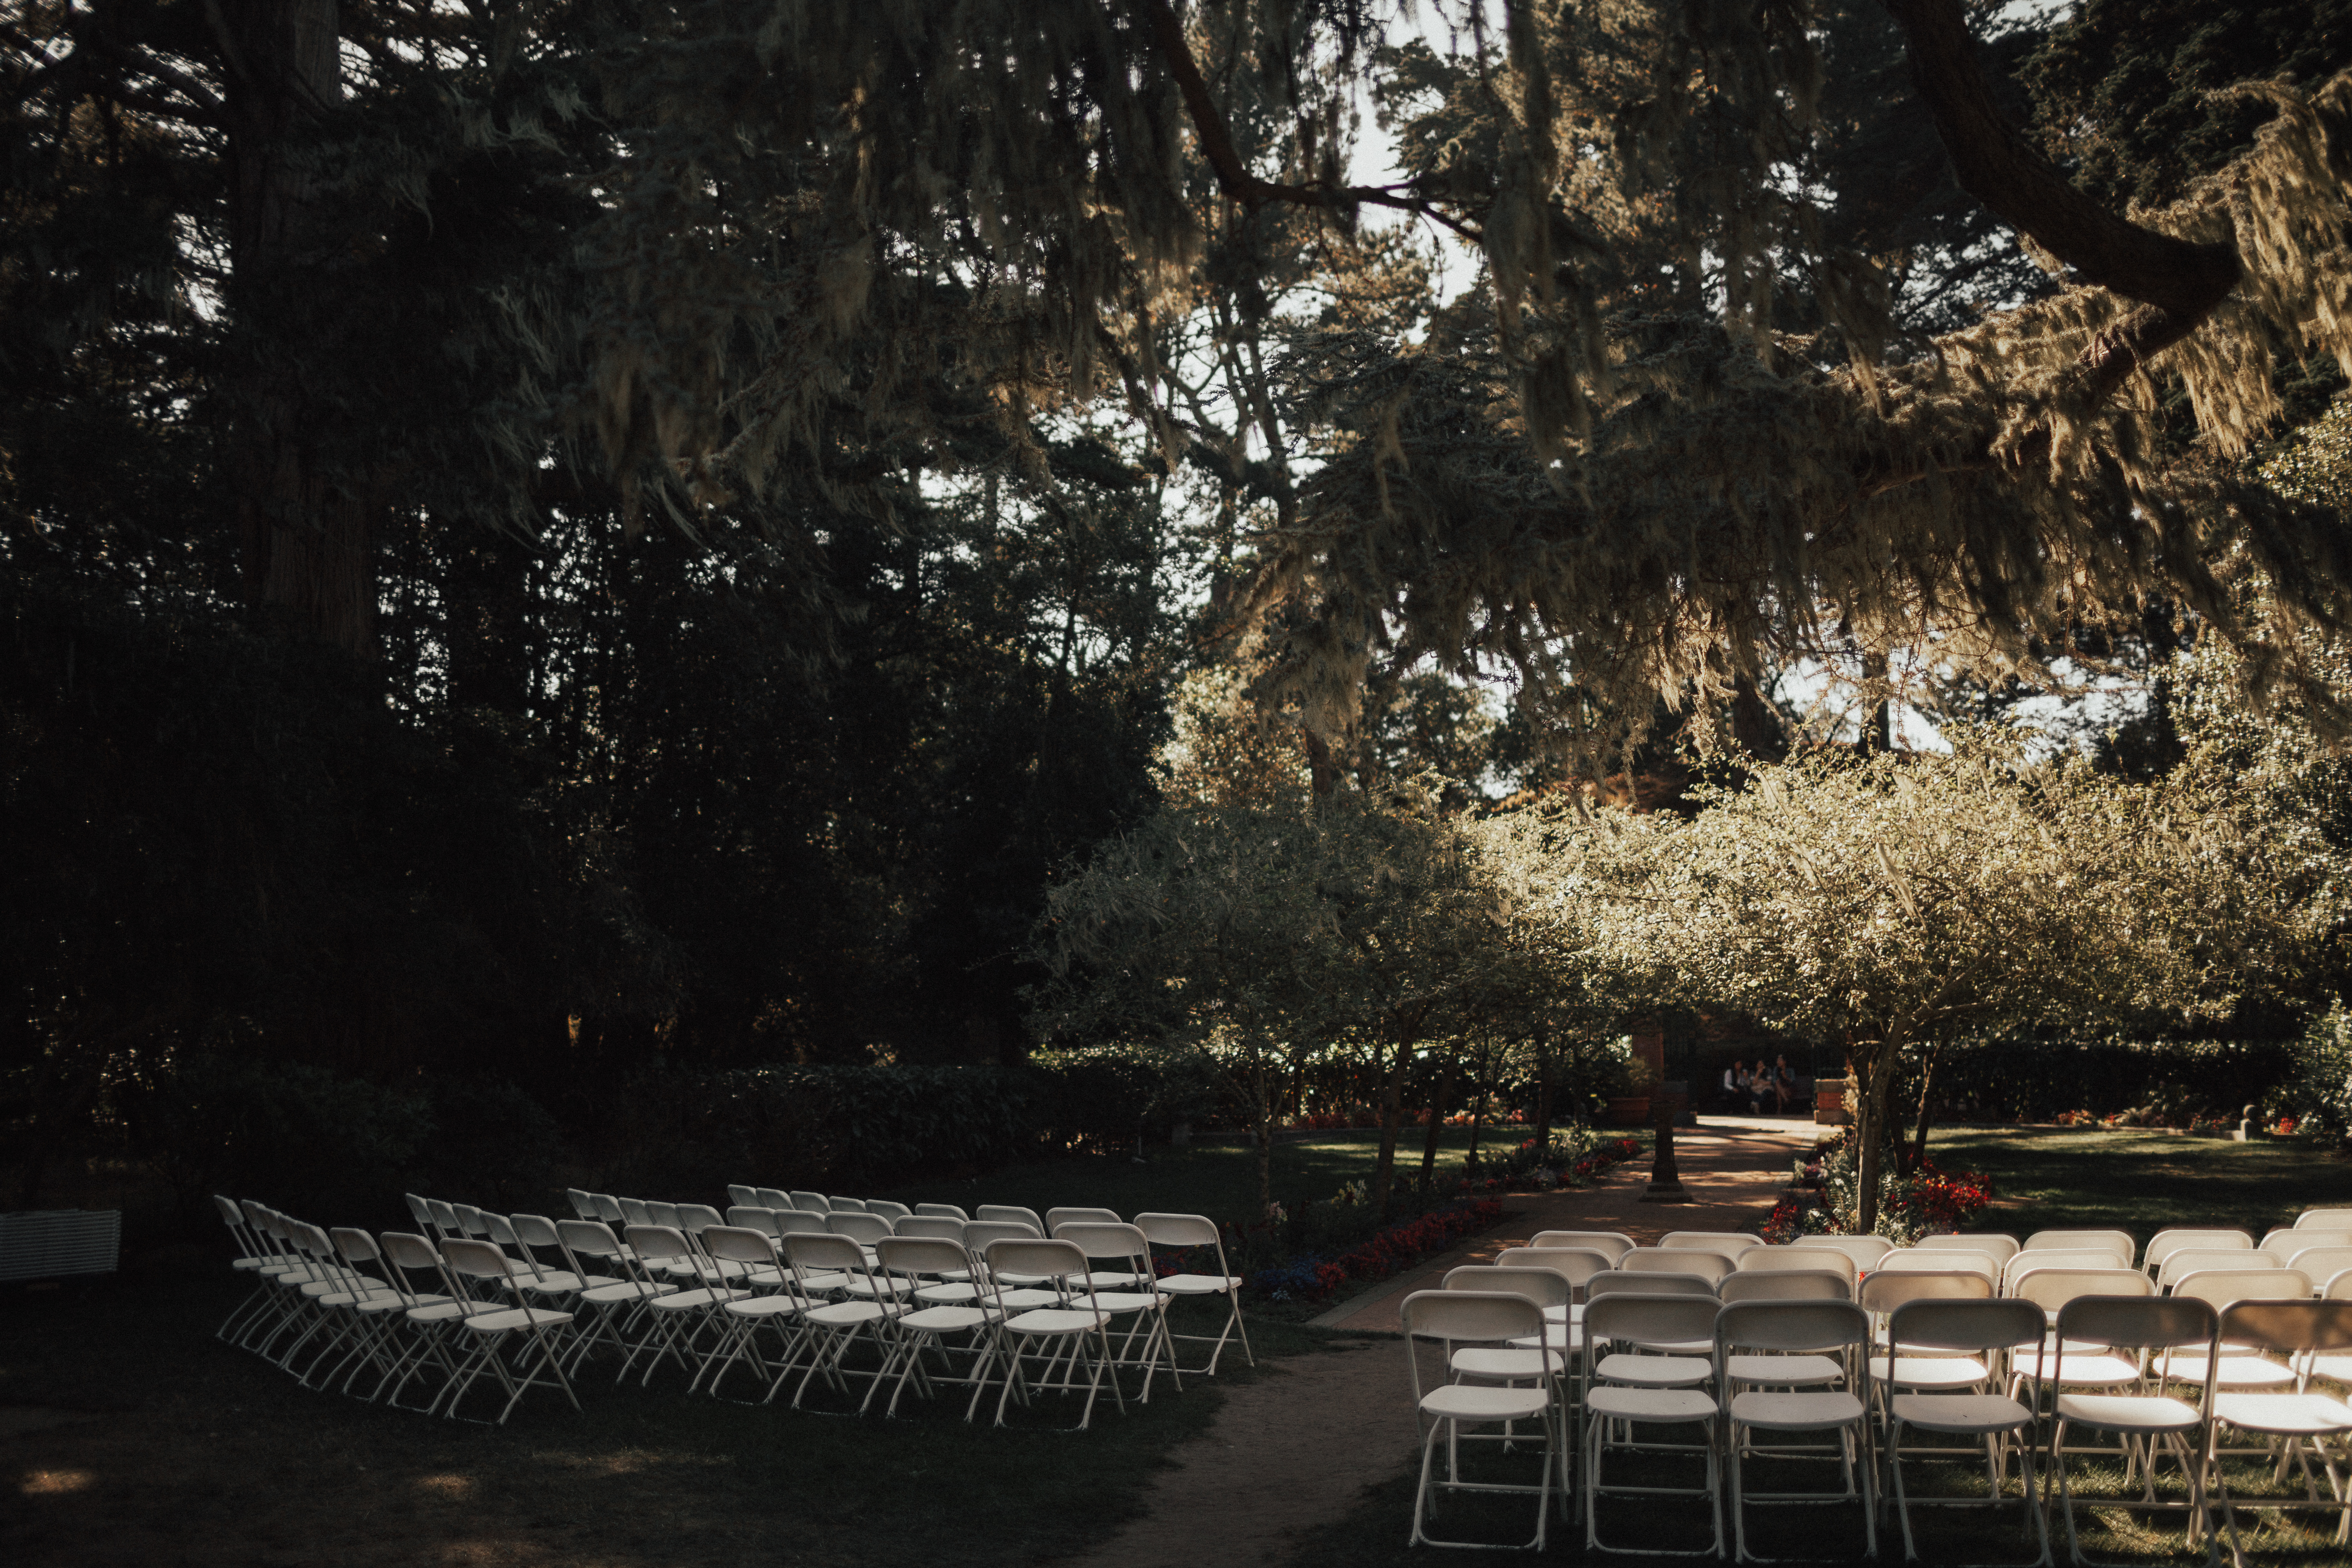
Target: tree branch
column 2177, row 284
column 1217, row 140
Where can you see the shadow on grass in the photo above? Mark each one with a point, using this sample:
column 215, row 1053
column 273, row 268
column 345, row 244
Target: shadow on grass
column 2064, row 1179
column 202, row 1454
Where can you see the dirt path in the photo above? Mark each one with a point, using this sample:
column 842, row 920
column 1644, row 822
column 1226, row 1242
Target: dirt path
column 1295, row 1449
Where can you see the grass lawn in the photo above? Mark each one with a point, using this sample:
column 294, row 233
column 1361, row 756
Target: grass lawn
column 2061, row 1178
column 201, row 1453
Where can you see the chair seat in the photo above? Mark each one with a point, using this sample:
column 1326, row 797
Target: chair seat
column 2233, row 1372
column 517, row 1318
column 364, row 1300
column 2283, row 1414
column 858, row 1285
column 946, row 1320
column 1795, row 1412
column 2127, row 1412
column 449, row 1312
column 1484, row 1402
column 849, row 1314
column 1055, row 1321
column 1110, row 1281
column 1654, row 1371
column 1790, row 1369
column 821, row 1284
column 1200, row 1284
column 1513, row 1365
column 948, row 1293
column 624, row 1290
column 1023, row 1300
column 1971, row 1412
column 564, row 1282
column 1651, row 1405
column 690, row 1301
column 2335, row 1367
column 1124, row 1301
column 1929, row 1372
column 766, row 1306
column 2091, row 1371
column 1567, row 1338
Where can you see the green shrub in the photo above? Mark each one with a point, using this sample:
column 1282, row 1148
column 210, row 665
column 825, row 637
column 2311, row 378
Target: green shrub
column 2319, row 1093
column 2039, row 1079
column 306, row 1139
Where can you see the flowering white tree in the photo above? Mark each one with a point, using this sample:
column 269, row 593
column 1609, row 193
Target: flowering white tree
column 1889, row 903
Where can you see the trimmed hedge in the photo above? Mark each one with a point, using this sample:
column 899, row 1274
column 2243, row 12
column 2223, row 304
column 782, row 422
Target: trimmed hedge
column 2039, row 1079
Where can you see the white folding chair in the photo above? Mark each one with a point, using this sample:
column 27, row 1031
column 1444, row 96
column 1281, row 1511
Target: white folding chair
column 997, row 1214
column 1999, row 1247
column 1865, row 1250
column 2034, row 1257
column 886, row 1209
column 2165, row 1242
column 742, row 1197
column 2320, row 1263
column 1057, row 1217
column 2241, row 1366
column 1620, row 1387
column 771, row 1301
column 1126, row 1292
column 1578, row 1265
column 771, row 1198
column 927, row 1326
column 611, row 1311
column 1940, row 1260
column 811, row 1202
column 941, row 1211
column 1194, row 1231
column 2324, row 1219
column 2179, row 1265
column 1730, row 1243
column 486, row 1335
column 1785, row 1285
column 2298, row 1422
column 1808, row 1329
column 1472, row 1319
column 1801, row 1260
column 1615, row 1243
column 2140, row 1419
column 825, row 1266
column 677, row 1320
column 2117, row 1242
column 1979, row 1333
column 1706, row 1263
column 1063, row 1337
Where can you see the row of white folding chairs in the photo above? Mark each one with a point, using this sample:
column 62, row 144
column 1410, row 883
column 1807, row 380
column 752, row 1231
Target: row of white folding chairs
column 318, row 1304
column 1907, row 1367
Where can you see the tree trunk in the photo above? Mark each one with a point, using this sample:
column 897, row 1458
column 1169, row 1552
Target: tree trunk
column 1874, row 1094
column 1440, row 1088
column 1911, row 1161
column 1391, row 1123
column 305, row 519
column 1264, row 1165
column 1542, row 1044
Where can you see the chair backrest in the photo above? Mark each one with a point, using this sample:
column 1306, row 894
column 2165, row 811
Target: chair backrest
column 535, row 1230
column 1708, row 1266
column 633, row 1211
column 1541, row 1286
column 1798, row 1261
column 940, row 1211
column 2322, row 1263
column 849, row 1205
column 1574, row 1264
column 771, row 1198
column 1983, row 1324
column 811, row 1202
column 418, row 1210
column 1730, row 1243
column 2118, row 1242
column 659, row 1212
column 741, row 1244
column 1477, row 1317
column 752, row 1217
column 1180, row 1229
column 2222, row 1286
column 592, row 1237
column 1995, row 1243
column 1790, row 1326
column 2290, row 1326
column 469, row 1219
column 2165, row 1242
column 445, row 1220
column 1865, row 1250
column 1637, row 1319
column 2152, row 1323
column 1885, row 1292
column 1050, row 1257
column 2034, row 1257
column 406, row 1251
column 479, row 1259
column 742, row 1196
column 823, row 1254
column 584, row 1205
column 696, row 1218
column 1618, row 1282
column 2198, row 1259
column 2324, row 1219
column 1786, row 1285
column 2338, row 1287
column 888, row 1209
column 868, row 1229
column 1106, row 1238
column 499, row 1228
column 1939, row 1260
column 2053, row 1289
column 925, row 1255
column 1056, row 1218
column 935, row 1227
column 608, row 1209
column 652, row 1241
column 807, row 1221
column 998, row 1213
column 1615, row 1243
column 981, row 1233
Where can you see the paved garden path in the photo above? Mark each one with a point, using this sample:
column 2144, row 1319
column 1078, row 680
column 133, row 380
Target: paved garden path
column 1295, row 1449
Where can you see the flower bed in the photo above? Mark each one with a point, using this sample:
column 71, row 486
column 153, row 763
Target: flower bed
column 1928, row 1202
column 1308, row 1278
